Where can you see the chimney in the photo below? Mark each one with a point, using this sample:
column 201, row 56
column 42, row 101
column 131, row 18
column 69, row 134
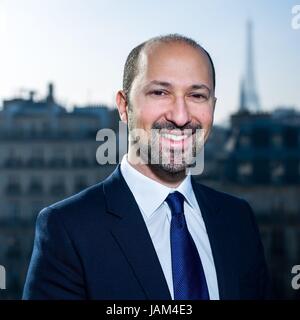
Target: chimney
column 50, row 96
column 31, row 95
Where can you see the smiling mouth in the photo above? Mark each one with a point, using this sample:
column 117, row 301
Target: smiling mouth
column 176, row 134
column 174, row 137
column 175, row 140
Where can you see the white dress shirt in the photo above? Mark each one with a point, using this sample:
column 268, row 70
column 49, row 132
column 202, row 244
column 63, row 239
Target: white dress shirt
column 150, row 196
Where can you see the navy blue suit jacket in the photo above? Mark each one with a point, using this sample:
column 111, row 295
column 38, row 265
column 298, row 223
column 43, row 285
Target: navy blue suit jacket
column 95, row 245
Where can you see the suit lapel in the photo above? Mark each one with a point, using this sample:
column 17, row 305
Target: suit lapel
column 213, row 216
column 130, row 231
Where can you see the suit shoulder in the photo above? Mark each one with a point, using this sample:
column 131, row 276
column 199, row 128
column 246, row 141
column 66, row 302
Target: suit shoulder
column 235, row 210
column 80, row 204
column 222, row 197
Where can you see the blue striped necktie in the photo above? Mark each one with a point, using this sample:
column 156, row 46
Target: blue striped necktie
column 188, row 275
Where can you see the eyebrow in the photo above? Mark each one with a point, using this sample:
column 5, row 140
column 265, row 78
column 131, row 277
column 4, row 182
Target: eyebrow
column 168, row 85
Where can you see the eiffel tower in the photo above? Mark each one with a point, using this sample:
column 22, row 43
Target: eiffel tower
column 249, row 100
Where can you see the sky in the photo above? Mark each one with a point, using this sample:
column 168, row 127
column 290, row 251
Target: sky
column 81, row 46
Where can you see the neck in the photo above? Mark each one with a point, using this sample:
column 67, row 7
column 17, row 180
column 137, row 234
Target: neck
column 156, row 173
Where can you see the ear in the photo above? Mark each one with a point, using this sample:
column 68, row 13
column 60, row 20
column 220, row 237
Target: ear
column 122, row 105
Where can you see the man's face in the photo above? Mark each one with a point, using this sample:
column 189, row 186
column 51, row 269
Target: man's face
column 172, row 93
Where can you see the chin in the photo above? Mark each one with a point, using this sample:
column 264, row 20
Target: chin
column 173, row 168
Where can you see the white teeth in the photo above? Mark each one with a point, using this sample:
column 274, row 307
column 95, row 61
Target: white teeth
column 174, row 137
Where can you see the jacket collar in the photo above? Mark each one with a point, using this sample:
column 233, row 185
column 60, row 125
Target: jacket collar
column 132, row 235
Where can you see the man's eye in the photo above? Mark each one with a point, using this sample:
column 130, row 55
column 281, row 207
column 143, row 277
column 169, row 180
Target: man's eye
column 158, row 92
column 199, row 96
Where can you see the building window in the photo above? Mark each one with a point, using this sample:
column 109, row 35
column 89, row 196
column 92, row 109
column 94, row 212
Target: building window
column 80, row 183
column 245, row 171
column 261, row 137
column 290, row 137
column 277, row 171
column 35, row 186
column 244, row 141
column 13, row 187
column 79, row 158
column 261, row 170
column 13, row 160
column 277, row 141
column 37, row 158
column 14, row 210
column 58, row 188
column 33, row 131
column 58, row 159
column 291, row 170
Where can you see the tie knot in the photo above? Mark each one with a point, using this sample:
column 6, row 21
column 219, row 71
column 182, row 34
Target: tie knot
column 175, row 201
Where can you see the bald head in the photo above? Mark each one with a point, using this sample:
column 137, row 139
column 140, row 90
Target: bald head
column 132, row 64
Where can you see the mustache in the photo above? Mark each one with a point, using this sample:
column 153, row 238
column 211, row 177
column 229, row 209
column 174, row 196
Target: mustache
column 171, row 126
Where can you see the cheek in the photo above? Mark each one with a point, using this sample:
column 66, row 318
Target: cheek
column 205, row 117
column 146, row 114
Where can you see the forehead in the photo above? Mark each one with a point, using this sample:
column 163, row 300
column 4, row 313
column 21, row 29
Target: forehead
column 174, row 61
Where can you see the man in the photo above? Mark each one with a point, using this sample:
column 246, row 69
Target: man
column 149, row 230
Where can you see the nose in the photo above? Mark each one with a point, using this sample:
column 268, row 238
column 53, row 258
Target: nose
column 178, row 112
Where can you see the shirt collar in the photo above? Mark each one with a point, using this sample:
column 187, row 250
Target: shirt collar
column 150, row 194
